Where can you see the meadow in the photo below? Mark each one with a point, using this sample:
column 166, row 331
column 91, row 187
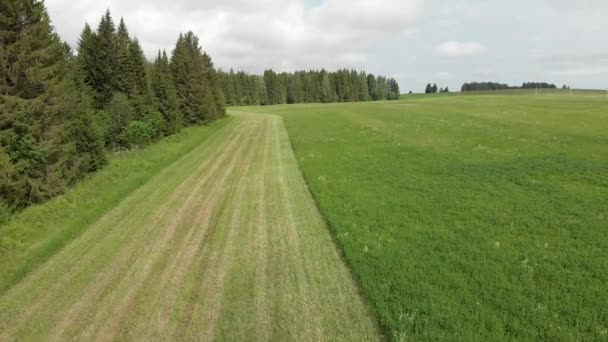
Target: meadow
column 467, row 218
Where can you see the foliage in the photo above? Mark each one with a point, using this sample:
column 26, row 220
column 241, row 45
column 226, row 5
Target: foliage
column 241, row 88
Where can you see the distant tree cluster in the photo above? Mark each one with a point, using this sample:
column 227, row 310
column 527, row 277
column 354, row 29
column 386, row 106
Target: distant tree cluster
column 60, row 113
column 483, row 86
column 538, row 85
column 432, row 89
column 241, row 88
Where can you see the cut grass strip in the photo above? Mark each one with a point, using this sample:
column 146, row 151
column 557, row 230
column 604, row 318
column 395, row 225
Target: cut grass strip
column 39, row 232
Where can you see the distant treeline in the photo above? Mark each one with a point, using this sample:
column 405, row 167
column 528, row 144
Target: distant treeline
column 60, row 113
column 433, row 89
column 241, row 88
column 481, row 86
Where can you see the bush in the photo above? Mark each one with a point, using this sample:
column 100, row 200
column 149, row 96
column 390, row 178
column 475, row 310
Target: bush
column 143, row 132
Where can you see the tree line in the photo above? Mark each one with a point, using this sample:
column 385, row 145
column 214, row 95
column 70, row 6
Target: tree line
column 60, row 112
column 482, row 86
column 432, row 89
column 315, row 86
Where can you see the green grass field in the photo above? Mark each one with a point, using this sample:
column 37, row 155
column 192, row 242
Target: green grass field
column 468, row 218
column 211, row 235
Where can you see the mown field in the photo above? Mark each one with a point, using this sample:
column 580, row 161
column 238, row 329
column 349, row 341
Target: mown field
column 209, row 235
column 468, row 218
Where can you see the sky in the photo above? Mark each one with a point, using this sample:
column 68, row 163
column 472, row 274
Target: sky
column 416, row 42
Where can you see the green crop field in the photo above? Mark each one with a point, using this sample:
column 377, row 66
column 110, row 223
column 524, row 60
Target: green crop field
column 467, row 217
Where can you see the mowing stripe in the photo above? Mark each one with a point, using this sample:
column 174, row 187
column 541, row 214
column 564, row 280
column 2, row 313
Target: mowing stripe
column 224, row 244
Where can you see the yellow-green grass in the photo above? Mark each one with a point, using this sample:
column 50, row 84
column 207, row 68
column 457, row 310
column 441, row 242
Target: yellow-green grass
column 225, row 243
column 467, row 218
column 40, row 231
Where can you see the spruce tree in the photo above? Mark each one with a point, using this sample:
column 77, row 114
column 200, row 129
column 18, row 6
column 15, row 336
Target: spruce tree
column 124, row 80
column 198, row 92
column 263, row 90
column 41, row 106
column 140, row 91
column 165, row 95
column 105, row 58
column 363, row 87
column 326, row 88
column 87, row 59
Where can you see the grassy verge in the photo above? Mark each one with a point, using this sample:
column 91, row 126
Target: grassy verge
column 38, row 232
column 467, row 217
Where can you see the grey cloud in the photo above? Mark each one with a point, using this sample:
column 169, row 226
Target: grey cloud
column 553, row 40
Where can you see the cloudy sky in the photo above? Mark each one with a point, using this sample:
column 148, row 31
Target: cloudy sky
column 447, row 42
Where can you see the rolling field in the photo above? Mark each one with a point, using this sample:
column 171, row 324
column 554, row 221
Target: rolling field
column 468, row 218
column 223, row 243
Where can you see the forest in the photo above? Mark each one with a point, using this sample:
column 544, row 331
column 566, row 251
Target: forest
column 62, row 112
column 481, row 86
column 242, row 88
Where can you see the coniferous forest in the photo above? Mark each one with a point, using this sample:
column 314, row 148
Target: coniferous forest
column 241, row 88
column 62, row 111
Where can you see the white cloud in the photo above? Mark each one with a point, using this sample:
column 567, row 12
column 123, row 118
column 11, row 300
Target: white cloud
column 454, row 49
column 390, row 37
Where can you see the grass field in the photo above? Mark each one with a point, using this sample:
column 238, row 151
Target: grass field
column 467, row 218
column 222, row 243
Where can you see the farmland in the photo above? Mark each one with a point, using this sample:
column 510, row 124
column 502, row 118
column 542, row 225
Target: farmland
column 466, row 217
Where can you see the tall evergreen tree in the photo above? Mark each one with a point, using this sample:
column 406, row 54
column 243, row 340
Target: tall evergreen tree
column 197, row 87
column 140, row 89
column 165, row 95
column 105, row 58
column 327, row 92
column 87, row 59
column 125, row 78
column 41, row 141
column 363, row 87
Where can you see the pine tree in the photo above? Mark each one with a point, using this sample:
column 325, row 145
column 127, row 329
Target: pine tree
column 434, row 88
